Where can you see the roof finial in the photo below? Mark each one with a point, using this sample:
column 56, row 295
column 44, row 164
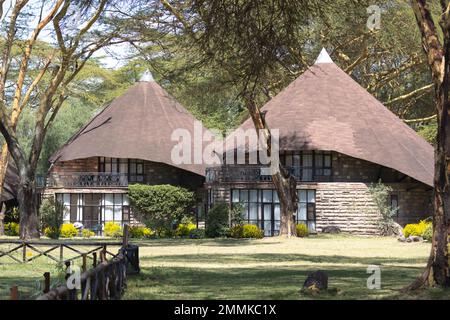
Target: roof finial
column 147, row 76
column 323, row 57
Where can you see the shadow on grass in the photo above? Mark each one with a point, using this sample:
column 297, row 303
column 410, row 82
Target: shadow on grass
column 274, row 257
column 264, row 283
column 219, row 242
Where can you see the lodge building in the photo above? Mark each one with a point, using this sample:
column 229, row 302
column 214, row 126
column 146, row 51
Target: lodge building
column 335, row 138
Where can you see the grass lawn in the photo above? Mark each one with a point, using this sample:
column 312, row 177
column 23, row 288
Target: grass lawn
column 270, row 268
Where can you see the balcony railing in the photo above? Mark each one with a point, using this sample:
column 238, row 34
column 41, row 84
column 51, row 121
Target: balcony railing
column 254, row 173
column 84, row 179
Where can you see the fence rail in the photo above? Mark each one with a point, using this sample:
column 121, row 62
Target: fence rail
column 51, row 246
column 106, row 281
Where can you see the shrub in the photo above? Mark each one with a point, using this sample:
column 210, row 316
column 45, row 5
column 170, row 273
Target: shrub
column 251, row 231
column 113, row 229
column 302, row 230
column 52, row 232
column 51, row 215
column 12, row 229
column 380, row 194
column 217, row 220
column 184, row 229
column 237, row 231
column 197, row 234
column 140, row 232
column 416, row 229
column 86, row 233
column 428, row 232
column 68, row 230
column 161, row 205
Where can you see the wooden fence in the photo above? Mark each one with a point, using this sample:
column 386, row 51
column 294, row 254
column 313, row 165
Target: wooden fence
column 51, row 246
column 105, row 281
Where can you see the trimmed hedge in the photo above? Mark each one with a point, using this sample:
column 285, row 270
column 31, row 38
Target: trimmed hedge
column 160, row 206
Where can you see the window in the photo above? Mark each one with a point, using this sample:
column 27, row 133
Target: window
column 133, row 168
column 262, row 208
column 94, row 209
column 394, row 203
column 306, row 212
column 309, row 165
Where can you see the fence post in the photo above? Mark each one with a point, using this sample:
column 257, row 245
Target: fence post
column 94, row 256
column 46, row 282
column 84, row 266
column 24, row 252
column 125, row 235
column 14, row 293
column 61, row 253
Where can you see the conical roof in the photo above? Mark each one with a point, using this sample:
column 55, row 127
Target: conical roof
column 138, row 124
column 325, row 109
column 11, row 182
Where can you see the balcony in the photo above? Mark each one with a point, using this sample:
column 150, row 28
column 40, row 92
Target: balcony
column 255, row 173
column 85, row 180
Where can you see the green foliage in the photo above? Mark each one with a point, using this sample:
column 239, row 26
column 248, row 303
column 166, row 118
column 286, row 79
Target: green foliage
column 12, row 229
column 417, row 229
column 68, row 230
column 217, row 220
column 252, row 231
column 380, row 195
column 237, row 231
column 237, row 214
column 162, row 205
column 86, row 233
column 429, row 132
column 113, row 230
column 197, row 234
column 51, row 215
column 184, row 229
column 302, row 230
column 428, row 232
column 140, row 232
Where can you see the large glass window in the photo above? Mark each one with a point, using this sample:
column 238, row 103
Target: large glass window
column 133, row 168
column 308, row 165
column 262, row 208
column 306, row 212
column 94, row 209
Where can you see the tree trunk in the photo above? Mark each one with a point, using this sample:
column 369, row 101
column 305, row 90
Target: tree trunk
column 284, row 182
column 27, row 198
column 2, row 218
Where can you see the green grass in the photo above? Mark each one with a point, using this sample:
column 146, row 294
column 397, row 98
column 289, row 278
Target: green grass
column 270, row 268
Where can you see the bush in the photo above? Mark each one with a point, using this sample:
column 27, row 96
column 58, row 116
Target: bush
column 252, row 231
column 416, row 229
column 184, row 229
column 428, row 233
column 86, row 233
column 113, row 230
column 162, row 205
column 12, row 229
column 51, row 232
column 237, row 231
column 197, row 234
column 217, row 220
column 68, row 230
column 380, row 195
column 51, row 215
column 139, row 232
column 302, row 230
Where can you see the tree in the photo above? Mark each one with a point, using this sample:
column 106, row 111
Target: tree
column 437, row 52
column 78, row 35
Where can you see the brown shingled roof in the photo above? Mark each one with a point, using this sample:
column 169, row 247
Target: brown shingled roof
column 138, row 124
column 325, row 109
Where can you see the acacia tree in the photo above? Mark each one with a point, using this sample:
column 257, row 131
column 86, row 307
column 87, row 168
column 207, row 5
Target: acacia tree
column 437, row 52
column 76, row 27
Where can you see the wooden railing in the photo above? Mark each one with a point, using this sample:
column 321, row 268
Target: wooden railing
column 106, row 281
column 50, row 246
column 256, row 173
column 84, row 179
